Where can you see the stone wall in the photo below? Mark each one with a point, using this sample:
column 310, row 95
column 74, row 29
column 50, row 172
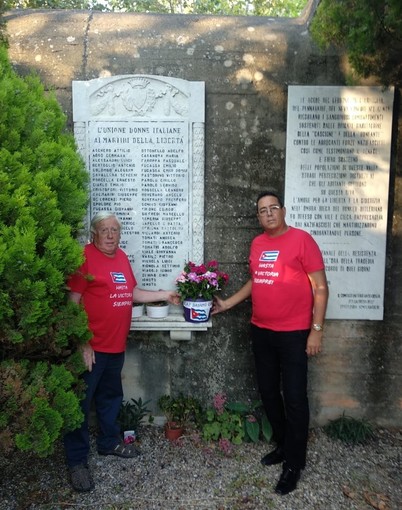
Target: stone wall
column 247, row 65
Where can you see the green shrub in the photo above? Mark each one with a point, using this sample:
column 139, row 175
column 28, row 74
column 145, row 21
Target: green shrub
column 43, row 200
column 368, row 30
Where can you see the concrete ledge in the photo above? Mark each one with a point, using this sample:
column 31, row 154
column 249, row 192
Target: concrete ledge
column 179, row 328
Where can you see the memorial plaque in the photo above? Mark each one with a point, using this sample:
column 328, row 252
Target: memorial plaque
column 143, row 140
column 337, row 179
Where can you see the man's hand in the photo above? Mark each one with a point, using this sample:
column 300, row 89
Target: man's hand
column 88, row 356
column 314, row 343
column 218, row 306
column 173, row 298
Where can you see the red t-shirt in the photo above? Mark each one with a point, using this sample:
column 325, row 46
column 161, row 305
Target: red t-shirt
column 281, row 292
column 106, row 285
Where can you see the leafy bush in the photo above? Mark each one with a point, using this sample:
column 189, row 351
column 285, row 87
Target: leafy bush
column 349, row 430
column 236, row 422
column 227, row 425
column 369, row 31
column 43, row 200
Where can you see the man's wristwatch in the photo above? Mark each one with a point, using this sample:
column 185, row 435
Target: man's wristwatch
column 318, row 327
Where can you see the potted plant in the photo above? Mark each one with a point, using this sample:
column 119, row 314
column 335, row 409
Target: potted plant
column 131, row 415
column 197, row 285
column 180, row 412
column 138, row 310
column 157, row 309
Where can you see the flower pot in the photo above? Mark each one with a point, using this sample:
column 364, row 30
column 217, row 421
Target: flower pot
column 173, row 431
column 138, row 310
column 197, row 310
column 129, row 436
column 158, row 310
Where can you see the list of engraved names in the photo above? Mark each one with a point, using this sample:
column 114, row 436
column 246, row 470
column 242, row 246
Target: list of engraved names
column 139, row 170
column 337, row 176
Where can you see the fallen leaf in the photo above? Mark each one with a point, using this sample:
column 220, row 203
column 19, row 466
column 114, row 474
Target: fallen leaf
column 377, row 501
column 348, row 492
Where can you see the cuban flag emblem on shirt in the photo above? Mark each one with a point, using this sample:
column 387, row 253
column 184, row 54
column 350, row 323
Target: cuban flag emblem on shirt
column 118, row 277
column 269, row 256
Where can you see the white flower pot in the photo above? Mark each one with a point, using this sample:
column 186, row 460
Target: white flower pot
column 138, row 310
column 157, row 311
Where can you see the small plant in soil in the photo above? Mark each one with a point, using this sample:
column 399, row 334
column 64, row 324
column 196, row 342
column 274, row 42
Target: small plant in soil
column 349, row 430
column 132, row 414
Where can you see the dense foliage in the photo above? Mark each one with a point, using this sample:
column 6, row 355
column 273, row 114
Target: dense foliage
column 369, row 30
column 235, row 422
column 43, row 199
column 286, row 8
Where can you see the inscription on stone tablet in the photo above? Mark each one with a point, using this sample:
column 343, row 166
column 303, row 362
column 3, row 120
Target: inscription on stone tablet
column 143, row 140
column 337, row 179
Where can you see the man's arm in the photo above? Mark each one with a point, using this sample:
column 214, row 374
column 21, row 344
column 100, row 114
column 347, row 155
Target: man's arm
column 147, row 296
column 319, row 285
column 221, row 305
column 86, row 349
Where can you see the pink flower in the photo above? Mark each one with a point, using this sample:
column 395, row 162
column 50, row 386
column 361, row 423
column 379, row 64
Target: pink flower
column 225, row 446
column 182, row 277
column 220, row 400
column 193, row 277
column 202, row 280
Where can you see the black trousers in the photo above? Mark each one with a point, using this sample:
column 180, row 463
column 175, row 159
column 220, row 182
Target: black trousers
column 281, row 366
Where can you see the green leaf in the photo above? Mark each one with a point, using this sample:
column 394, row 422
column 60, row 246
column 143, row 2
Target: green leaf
column 238, row 407
column 266, row 428
column 253, row 430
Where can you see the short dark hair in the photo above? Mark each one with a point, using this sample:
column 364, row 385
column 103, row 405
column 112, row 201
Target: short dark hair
column 269, row 194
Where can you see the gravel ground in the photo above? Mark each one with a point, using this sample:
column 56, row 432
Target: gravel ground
column 190, row 475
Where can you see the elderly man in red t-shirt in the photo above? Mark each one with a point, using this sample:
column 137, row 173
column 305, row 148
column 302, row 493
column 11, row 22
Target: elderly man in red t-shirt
column 106, row 286
column 289, row 294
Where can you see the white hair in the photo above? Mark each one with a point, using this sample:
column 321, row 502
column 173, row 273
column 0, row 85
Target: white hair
column 100, row 216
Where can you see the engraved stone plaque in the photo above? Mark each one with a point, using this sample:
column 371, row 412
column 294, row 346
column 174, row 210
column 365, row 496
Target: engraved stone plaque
column 142, row 138
column 337, row 178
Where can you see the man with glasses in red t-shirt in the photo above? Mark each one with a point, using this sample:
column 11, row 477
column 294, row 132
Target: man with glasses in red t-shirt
column 289, row 294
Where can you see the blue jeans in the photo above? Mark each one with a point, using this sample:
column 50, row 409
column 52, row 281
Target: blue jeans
column 104, row 387
column 281, row 367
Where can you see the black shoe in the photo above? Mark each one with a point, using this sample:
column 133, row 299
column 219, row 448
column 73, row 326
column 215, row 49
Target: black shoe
column 81, row 478
column 126, row 451
column 274, row 457
column 288, row 480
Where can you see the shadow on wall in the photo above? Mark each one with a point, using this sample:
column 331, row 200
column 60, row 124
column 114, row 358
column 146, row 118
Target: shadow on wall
column 87, row 45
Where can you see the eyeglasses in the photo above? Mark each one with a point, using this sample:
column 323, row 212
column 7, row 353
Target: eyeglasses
column 108, row 231
column 272, row 209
